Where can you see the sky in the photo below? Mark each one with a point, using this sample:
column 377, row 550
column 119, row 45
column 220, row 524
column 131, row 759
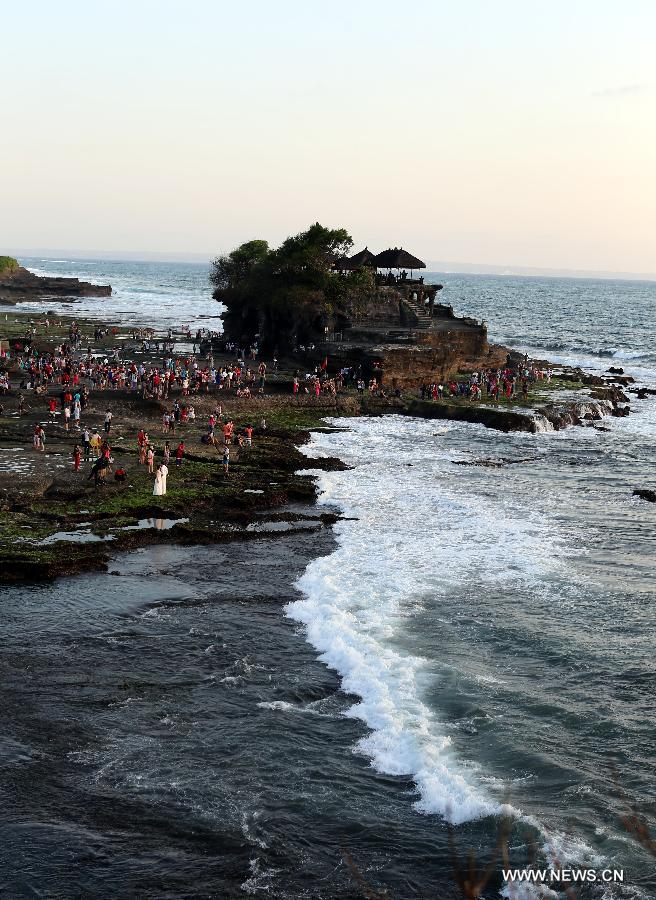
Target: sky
column 500, row 133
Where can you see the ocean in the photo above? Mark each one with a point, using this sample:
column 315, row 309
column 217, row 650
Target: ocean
column 292, row 717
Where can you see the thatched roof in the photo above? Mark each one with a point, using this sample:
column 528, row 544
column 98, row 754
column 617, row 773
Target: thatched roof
column 397, row 258
column 363, row 258
column 357, row 261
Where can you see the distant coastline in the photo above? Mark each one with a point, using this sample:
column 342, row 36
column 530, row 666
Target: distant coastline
column 433, row 265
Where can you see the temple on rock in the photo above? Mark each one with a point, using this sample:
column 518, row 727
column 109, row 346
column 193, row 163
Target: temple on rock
column 398, row 329
column 375, row 312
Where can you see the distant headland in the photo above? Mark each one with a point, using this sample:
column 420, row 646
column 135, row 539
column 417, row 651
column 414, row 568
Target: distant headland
column 18, row 284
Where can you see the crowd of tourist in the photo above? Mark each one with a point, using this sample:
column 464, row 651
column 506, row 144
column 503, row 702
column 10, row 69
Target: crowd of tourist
column 177, row 378
column 492, row 384
column 76, row 374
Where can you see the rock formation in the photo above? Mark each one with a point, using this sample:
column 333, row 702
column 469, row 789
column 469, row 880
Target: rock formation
column 405, row 339
column 17, row 284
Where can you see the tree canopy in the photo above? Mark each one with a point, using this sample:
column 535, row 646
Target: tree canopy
column 287, row 295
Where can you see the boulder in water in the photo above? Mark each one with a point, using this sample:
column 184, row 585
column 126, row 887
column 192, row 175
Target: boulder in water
column 645, row 494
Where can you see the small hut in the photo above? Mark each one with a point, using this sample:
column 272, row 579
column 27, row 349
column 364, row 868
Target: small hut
column 398, row 258
column 361, row 260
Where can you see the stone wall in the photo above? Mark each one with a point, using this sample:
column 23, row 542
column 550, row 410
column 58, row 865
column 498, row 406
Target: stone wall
column 377, row 310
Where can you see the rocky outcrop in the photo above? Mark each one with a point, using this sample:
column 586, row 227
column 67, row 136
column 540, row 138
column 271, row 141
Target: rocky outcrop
column 499, row 419
column 645, row 494
column 406, row 359
column 550, row 417
column 17, row 284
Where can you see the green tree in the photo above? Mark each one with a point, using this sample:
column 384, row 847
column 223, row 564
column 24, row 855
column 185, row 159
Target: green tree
column 288, row 295
column 229, row 270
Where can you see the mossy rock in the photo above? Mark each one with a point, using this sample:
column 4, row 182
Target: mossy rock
column 8, row 265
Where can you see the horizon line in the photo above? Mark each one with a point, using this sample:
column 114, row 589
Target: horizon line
column 446, row 267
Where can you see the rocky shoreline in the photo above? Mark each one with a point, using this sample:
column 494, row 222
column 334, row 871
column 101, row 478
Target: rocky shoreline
column 18, row 285
column 605, row 399
column 56, row 523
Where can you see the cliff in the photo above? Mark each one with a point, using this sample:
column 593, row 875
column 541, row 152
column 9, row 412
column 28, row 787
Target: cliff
column 404, row 338
column 17, row 284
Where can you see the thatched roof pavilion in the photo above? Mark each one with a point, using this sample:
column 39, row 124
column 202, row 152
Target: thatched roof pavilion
column 397, row 258
column 363, row 259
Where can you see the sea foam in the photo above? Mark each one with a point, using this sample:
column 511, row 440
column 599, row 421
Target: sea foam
column 398, row 553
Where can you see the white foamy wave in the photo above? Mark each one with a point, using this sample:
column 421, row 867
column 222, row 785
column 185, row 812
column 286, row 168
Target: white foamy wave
column 405, row 739
column 356, row 600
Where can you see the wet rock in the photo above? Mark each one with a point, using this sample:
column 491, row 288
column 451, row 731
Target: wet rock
column 500, row 419
column 645, row 494
column 578, row 375
column 19, row 284
column 615, row 395
column 616, row 371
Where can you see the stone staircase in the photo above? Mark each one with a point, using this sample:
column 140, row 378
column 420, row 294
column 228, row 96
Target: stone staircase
column 419, row 311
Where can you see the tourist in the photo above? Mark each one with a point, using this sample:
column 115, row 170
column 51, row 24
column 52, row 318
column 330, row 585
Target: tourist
column 108, row 421
column 166, row 453
column 179, row 453
column 226, row 459
column 95, row 443
column 77, row 457
column 86, row 444
column 151, row 460
column 158, row 486
column 164, row 469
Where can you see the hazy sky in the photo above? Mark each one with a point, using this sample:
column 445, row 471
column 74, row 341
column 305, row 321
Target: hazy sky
column 519, row 133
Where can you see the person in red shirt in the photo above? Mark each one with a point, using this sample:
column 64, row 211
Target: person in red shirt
column 179, row 453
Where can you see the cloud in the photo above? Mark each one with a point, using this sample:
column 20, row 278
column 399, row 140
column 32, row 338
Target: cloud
column 623, row 90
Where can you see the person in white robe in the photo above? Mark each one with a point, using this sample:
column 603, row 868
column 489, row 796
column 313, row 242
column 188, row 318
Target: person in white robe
column 158, row 487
